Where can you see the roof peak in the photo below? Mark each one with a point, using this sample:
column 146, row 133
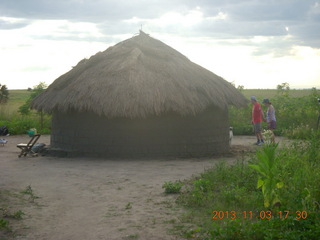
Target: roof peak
column 142, row 33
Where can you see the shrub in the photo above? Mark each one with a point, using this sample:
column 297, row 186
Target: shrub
column 268, row 180
column 172, row 187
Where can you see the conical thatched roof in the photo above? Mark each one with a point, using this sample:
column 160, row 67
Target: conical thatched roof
column 138, row 77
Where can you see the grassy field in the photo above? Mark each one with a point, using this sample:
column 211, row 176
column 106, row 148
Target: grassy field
column 18, row 96
column 16, row 99
column 271, row 93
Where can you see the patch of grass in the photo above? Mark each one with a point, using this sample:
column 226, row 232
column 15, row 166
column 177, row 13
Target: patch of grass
column 4, row 224
column 12, row 204
column 129, row 205
column 113, row 212
column 171, row 221
column 133, row 236
column 29, row 191
column 172, row 187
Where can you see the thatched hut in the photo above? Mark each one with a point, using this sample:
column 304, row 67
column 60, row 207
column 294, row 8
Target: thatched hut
column 139, row 98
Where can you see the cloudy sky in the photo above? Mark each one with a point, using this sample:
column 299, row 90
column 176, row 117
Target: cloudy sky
column 254, row 43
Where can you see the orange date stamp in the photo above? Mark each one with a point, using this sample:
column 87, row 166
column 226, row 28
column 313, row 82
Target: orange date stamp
column 259, row 215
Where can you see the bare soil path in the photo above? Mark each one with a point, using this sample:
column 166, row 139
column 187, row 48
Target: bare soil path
column 84, row 198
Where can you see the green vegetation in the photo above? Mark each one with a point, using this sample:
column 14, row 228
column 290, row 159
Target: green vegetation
column 18, row 117
column 29, row 192
column 226, row 202
column 129, row 205
column 295, row 110
column 268, row 180
column 172, row 187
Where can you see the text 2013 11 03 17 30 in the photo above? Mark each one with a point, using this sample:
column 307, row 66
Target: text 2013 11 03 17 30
column 259, row 215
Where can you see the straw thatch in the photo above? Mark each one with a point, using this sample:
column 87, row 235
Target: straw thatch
column 135, row 78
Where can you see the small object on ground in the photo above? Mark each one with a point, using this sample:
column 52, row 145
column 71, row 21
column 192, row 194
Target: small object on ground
column 3, row 141
column 32, row 132
column 230, row 135
column 38, row 147
column 4, row 131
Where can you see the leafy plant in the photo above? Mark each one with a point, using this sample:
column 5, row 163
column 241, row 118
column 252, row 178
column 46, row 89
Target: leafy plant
column 172, row 187
column 18, row 214
column 268, row 180
column 4, row 224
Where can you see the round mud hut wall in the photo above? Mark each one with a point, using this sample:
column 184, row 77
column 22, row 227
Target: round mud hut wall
column 170, row 135
column 139, row 98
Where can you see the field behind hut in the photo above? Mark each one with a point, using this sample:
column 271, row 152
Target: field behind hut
column 296, row 110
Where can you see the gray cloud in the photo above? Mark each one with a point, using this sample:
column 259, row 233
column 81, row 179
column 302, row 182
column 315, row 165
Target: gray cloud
column 245, row 19
column 83, row 10
column 7, row 25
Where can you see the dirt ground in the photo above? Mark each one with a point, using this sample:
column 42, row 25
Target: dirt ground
column 86, row 198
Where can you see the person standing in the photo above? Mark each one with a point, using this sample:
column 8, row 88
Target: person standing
column 257, row 116
column 270, row 117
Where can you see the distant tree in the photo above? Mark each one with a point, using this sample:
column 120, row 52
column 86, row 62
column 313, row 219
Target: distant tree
column 240, row 88
column 4, row 94
column 283, row 89
column 25, row 108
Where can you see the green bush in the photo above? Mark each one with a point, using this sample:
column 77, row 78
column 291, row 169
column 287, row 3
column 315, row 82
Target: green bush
column 268, row 180
column 172, row 187
column 4, row 224
column 22, row 124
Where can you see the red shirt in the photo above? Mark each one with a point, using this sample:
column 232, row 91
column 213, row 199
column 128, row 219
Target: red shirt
column 256, row 113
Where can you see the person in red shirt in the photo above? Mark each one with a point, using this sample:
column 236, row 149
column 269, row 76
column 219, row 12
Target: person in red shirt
column 257, row 117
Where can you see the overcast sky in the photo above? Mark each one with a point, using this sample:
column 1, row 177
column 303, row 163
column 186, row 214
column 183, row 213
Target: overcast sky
column 254, row 43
